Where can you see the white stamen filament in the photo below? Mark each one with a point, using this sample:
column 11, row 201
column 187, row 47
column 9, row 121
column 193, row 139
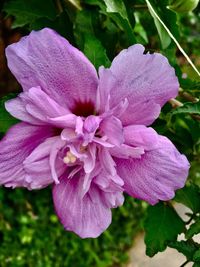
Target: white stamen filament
column 69, row 158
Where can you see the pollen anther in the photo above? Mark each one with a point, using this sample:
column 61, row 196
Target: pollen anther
column 69, row 158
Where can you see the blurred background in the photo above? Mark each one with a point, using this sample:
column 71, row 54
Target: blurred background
column 30, row 233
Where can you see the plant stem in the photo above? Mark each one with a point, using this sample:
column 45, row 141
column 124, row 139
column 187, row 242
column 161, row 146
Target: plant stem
column 173, row 38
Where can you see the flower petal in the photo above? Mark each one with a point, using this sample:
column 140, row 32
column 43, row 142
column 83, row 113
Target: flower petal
column 146, row 80
column 112, row 128
column 17, row 109
column 156, row 175
column 46, row 59
column 126, row 152
column 88, row 216
column 15, row 147
column 107, row 162
column 35, row 107
column 37, row 165
column 111, row 185
column 141, row 136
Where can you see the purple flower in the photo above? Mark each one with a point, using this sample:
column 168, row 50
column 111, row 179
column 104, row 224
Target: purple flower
column 87, row 134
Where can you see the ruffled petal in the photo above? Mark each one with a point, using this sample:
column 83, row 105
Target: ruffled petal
column 46, row 59
column 156, row 175
column 88, row 216
column 146, row 80
column 126, row 152
column 15, row 147
column 141, row 136
column 35, row 107
column 107, row 161
column 38, row 168
column 111, row 186
column 113, row 130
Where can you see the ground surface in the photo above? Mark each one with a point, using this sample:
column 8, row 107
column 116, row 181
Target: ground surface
column 168, row 258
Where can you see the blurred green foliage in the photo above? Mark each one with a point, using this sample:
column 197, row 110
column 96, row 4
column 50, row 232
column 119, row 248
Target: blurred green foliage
column 30, row 233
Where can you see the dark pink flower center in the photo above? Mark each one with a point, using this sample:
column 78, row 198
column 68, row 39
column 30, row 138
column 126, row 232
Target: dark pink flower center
column 83, row 109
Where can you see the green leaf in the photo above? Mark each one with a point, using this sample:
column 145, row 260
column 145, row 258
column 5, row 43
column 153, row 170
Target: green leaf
column 113, row 6
column 164, row 36
column 182, row 6
column 194, row 229
column 191, row 86
column 190, row 197
column 6, row 120
column 59, row 25
column 167, row 16
column 187, row 248
column 26, row 12
column 139, row 29
column 118, row 13
column 189, row 108
column 96, row 53
column 87, row 41
column 196, row 264
column 196, row 256
column 162, row 226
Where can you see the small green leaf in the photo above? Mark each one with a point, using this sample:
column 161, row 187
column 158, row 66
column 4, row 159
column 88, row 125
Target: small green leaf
column 94, row 50
column 194, row 229
column 190, row 197
column 162, row 226
column 189, row 108
column 26, row 12
column 187, row 248
column 113, row 6
column 6, row 120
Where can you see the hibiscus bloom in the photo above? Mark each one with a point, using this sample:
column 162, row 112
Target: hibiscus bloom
column 87, row 135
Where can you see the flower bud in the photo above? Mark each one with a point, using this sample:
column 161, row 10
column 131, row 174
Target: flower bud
column 182, row 6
